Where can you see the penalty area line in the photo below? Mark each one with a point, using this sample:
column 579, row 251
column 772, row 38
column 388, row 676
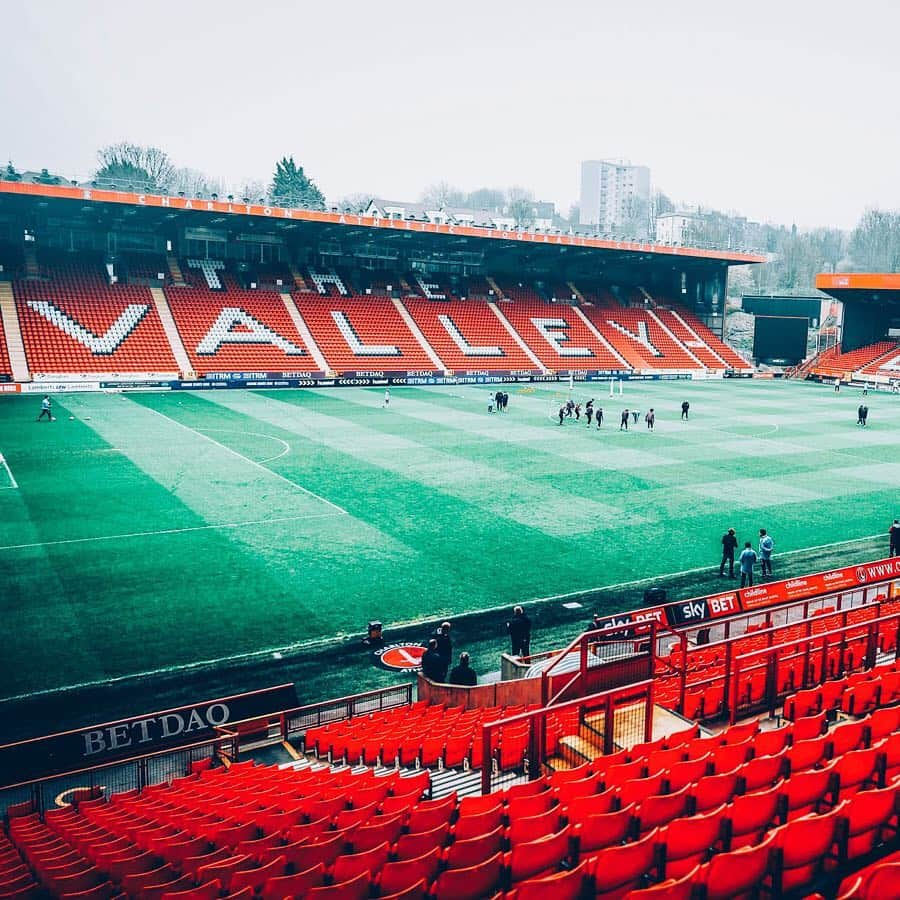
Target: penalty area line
column 163, row 531
column 247, row 459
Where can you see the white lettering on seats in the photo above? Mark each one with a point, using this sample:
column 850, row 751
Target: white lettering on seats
column 458, row 339
column 427, row 289
column 208, row 268
column 642, row 336
column 320, row 279
column 892, row 364
column 555, row 333
column 222, row 332
column 354, row 342
column 103, row 344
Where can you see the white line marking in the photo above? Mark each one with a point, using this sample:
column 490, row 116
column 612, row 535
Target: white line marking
column 190, row 528
column 13, row 484
column 247, row 459
column 285, row 444
column 331, row 639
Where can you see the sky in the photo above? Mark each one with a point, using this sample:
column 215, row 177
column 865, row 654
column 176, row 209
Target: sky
column 786, row 112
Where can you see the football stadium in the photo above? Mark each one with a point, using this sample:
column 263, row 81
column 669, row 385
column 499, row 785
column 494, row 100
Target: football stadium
column 392, row 554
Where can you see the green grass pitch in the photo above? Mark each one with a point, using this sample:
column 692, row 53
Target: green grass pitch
column 156, row 530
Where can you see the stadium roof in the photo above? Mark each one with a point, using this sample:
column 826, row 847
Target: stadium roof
column 858, row 281
column 102, row 207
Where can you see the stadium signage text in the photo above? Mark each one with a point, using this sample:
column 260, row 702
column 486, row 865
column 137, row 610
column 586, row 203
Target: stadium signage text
column 132, row 737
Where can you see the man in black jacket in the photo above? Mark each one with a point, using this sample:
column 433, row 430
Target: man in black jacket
column 519, row 628
column 463, row 674
column 432, row 664
column 444, row 646
column 729, row 544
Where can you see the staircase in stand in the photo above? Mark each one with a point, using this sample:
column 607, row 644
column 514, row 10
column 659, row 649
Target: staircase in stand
column 299, row 280
column 578, row 295
column 498, row 294
column 18, row 363
column 175, row 270
column 32, row 269
column 171, row 330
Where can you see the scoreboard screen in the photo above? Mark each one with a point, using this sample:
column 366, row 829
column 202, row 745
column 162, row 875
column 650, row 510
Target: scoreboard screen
column 780, row 339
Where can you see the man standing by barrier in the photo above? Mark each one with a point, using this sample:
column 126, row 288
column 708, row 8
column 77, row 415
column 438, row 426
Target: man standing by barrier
column 519, row 628
column 766, row 546
column 729, row 545
column 894, row 532
column 748, row 560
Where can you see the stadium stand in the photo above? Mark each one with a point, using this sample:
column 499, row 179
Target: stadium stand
column 143, row 267
column 559, row 337
column 78, row 323
column 361, row 333
column 832, row 363
column 5, row 366
column 236, row 330
column 467, row 335
column 639, row 337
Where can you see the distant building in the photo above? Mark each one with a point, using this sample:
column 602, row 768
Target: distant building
column 615, row 197
column 675, row 227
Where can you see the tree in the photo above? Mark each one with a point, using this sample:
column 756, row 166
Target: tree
column 491, row 199
column 520, row 206
column 253, row 190
column 661, row 204
column 147, row 168
column 354, row 203
column 193, row 183
column 574, row 216
column 441, row 195
column 875, row 242
column 291, row 187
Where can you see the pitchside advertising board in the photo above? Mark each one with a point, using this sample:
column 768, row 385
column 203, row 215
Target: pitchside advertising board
column 127, row 738
column 728, row 603
column 226, row 380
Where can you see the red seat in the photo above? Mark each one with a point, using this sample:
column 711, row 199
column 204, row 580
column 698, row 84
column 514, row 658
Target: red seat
column 809, row 727
column 804, row 849
column 295, row 885
column 807, row 754
column 872, row 819
column 427, row 815
column 533, row 858
column 850, row 736
column 530, row 828
column 207, row 891
column 380, row 828
column 670, row 889
column 472, row 826
column 256, row 878
column 355, row 889
column 473, row 883
column 763, row 771
column 521, row 807
column 604, row 830
column 410, row 846
column 404, row 874
column 617, row 870
column 559, row 886
column 751, row 815
column 712, row 791
column 349, row 865
column 466, row 853
column 811, row 791
column 691, row 840
column 736, row 875
column 857, row 770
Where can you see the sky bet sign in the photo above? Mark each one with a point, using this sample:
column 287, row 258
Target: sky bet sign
column 137, row 736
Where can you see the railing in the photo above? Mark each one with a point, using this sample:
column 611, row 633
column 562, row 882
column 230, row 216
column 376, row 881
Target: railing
column 515, row 749
column 605, row 658
column 295, row 722
column 757, row 680
column 122, row 775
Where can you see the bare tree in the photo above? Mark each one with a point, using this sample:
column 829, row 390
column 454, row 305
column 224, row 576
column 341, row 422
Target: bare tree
column 253, row 189
column 875, row 242
column 520, row 205
column 486, row 198
column 195, row 183
column 442, row 194
column 144, row 167
column 354, row 203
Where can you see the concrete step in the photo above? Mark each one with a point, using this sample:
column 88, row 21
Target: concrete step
column 171, row 330
column 577, row 749
column 18, row 363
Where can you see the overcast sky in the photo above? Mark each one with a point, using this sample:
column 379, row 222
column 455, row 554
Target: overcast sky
column 785, row 111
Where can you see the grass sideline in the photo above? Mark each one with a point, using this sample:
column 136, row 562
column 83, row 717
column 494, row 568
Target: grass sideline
column 157, row 531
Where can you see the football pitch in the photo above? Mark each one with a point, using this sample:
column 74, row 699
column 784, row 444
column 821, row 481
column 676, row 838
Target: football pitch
column 154, row 531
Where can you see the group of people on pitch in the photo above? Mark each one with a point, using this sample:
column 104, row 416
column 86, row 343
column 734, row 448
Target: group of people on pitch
column 436, row 661
column 748, row 558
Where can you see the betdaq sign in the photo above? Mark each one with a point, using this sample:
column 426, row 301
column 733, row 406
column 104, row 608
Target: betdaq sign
column 137, row 736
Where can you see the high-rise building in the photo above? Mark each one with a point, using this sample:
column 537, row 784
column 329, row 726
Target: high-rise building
column 615, row 197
